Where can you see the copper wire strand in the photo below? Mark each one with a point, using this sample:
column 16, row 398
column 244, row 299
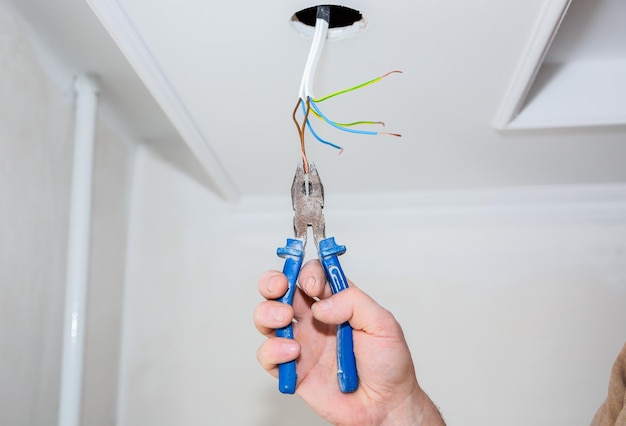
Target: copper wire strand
column 305, row 161
column 391, row 72
column 304, row 121
column 300, row 133
column 295, row 120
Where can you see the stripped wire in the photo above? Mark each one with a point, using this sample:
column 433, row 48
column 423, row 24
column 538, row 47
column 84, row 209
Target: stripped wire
column 358, row 86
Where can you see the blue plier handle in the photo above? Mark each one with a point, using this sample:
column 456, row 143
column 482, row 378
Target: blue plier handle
column 293, row 253
column 346, row 363
column 307, row 195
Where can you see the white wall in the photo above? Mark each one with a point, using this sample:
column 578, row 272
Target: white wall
column 514, row 314
column 35, row 158
column 513, row 318
column 36, row 124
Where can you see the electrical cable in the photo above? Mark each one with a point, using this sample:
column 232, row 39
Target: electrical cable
column 319, row 37
column 305, row 93
column 308, row 103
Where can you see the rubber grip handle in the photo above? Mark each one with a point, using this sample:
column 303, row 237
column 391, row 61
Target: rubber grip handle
column 293, row 253
column 346, row 363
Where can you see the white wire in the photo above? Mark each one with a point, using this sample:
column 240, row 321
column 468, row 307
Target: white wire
column 319, row 37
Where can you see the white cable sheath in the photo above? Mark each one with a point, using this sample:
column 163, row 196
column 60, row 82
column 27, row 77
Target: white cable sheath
column 86, row 91
column 319, row 37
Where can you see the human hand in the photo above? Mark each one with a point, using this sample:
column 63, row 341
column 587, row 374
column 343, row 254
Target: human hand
column 388, row 390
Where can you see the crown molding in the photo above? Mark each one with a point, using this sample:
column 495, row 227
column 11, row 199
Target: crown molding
column 558, row 204
column 121, row 28
column 546, row 26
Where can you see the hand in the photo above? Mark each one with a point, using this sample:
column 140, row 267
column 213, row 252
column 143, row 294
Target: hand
column 388, row 390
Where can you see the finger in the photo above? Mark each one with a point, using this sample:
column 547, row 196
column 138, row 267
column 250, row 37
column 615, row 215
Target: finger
column 358, row 308
column 276, row 351
column 312, row 279
column 273, row 284
column 270, row 315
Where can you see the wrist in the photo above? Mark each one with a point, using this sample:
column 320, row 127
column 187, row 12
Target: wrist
column 416, row 410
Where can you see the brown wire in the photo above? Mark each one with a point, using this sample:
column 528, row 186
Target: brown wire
column 301, row 128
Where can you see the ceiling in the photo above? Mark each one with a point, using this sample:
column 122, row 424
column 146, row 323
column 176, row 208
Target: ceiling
column 221, row 79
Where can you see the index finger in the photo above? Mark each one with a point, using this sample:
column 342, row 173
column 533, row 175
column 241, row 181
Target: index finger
column 312, row 279
column 273, row 284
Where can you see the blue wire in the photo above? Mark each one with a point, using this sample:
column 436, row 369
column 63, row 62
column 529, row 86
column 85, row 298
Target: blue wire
column 308, row 123
column 320, row 139
column 345, row 129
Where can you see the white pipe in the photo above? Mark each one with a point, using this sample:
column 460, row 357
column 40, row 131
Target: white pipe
column 86, row 91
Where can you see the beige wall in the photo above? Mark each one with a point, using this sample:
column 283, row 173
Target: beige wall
column 36, row 124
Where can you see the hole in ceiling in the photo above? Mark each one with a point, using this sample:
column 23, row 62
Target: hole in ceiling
column 344, row 21
column 340, row 16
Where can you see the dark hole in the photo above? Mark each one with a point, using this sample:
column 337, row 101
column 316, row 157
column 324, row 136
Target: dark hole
column 340, row 16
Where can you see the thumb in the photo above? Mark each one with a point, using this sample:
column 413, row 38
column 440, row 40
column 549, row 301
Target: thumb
column 360, row 310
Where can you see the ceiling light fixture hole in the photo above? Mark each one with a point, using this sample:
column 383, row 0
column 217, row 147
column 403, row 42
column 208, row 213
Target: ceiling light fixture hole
column 344, row 21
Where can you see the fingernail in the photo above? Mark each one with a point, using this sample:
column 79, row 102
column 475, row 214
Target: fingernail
column 278, row 314
column 324, row 304
column 270, row 284
column 309, row 285
column 290, row 348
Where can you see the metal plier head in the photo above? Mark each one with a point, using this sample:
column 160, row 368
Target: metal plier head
column 307, row 197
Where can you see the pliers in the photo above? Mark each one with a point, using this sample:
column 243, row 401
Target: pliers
column 307, row 196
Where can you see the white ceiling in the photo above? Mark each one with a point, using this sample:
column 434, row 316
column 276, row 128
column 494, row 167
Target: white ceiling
column 226, row 76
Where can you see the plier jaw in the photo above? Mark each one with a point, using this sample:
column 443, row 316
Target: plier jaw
column 307, row 198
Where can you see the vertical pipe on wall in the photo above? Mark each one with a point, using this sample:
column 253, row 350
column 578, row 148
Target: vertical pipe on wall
column 86, row 95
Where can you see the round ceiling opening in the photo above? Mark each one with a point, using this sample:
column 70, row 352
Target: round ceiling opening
column 344, row 21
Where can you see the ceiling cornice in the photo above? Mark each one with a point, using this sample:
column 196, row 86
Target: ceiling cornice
column 117, row 22
column 538, row 205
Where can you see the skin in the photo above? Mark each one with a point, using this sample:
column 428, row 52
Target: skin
column 388, row 392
